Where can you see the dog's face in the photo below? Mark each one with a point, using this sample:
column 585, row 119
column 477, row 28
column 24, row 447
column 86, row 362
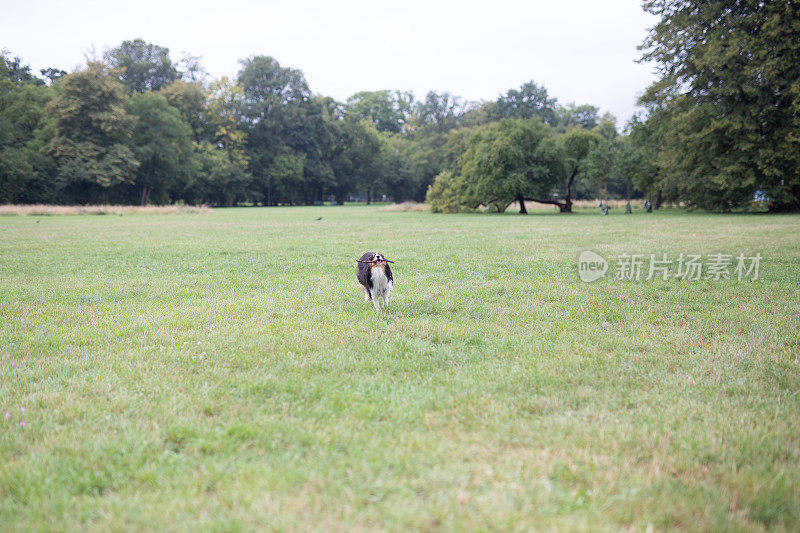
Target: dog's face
column 378, row 261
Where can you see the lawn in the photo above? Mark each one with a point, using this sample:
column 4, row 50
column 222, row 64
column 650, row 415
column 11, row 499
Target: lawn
column 221, row 371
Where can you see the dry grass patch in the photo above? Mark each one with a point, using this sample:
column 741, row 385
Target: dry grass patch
column 42, row 209
column 405, row 206
column 612, row 204
column 580, row 204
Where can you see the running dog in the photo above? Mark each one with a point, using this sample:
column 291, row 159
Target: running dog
column 374, row 274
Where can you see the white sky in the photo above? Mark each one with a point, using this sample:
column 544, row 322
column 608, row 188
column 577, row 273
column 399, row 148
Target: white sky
column 580, row 50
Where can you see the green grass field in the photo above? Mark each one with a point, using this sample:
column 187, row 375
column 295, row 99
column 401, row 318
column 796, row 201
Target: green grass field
column 221, row 371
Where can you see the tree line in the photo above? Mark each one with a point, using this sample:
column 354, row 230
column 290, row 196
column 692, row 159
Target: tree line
column 138, row 127
column 719, row 128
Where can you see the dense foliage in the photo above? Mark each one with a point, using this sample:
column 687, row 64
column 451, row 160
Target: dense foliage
column 718, row 129
column 91, row 141
column 724, row 117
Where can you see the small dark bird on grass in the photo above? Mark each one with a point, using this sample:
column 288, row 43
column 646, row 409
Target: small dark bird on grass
column 374, row 274
column 320, row 218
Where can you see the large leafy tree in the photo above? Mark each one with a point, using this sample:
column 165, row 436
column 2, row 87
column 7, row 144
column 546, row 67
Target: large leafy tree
column 23, row 99
column 284, row 124
column 91, row 133
column 506, row 161
column 142, row 66
column 162, row 143
column 576, row 145
column 728, row 98
column 270, row 96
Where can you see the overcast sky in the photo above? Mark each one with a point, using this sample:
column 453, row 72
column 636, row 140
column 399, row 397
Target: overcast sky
column 582, row 51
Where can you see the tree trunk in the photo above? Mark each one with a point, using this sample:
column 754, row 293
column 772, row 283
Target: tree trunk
column 657, row 203
column 628, row 209
column 522, row 209
column 567, row 208
column 144, row 196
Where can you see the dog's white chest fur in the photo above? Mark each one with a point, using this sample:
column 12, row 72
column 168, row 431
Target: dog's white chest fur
column 380, row 284
column 381, row 287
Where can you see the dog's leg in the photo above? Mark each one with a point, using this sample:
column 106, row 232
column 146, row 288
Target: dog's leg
column 376, row 301
column 386, row 299
column 366, row 295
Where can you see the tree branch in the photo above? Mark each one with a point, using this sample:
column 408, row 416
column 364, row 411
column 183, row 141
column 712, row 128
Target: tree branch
column 551, row 202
